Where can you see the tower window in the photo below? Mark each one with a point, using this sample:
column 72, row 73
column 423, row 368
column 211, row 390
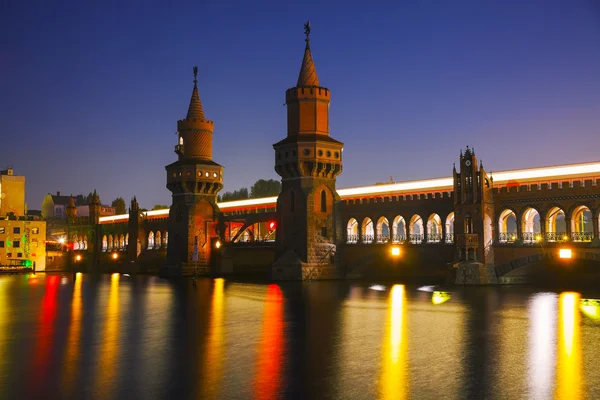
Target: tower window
column 180, row 140
column 323, row 201
column 292, row 200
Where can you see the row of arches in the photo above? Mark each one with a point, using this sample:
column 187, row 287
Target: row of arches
column 116, row 242
column 401, row 230
column 79, row 242
column 553, row 226
column 157, row 240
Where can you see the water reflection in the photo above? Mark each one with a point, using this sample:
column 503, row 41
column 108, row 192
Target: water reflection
column 214, row 343
column 542, row 336
column 267, row 384
column 394, row 381
column 73, row 336
column 109, row 348
column 440, row 297
column 591, row 308
column 569, row 376
column 45, row 334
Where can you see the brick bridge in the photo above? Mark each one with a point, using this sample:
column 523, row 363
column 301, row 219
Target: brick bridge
column 473, row 226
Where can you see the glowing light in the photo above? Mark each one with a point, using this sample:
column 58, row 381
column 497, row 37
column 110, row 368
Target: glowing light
column 115, row 256
column 218, row 244
column 115, row 276
column 61, row 240
column 78, row 257
column 272, row 225
column 538, row 238
column 426, row 288
column 591, row 308
column 396, row 251
column 565, row 253
column 379, row 288
column 78, row 275
column 247, row 203
column 440, row 297
column 394, row 381
column 569, row 374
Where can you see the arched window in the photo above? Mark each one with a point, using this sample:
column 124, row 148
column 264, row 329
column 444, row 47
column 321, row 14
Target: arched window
column 383, row 230
column 104, row 243
column 581, row 225
column 165, row 240
column 556, row 227
column 323, row 201
column 367, row 230
column 531, row 226
column 434, row 229
column 150, row 240
column 352, row 231
column 450, row 228
column 180, row 140
column 416, row 229
column 110, row 242
column 398, row 229
column 507, row 227
column 292, row 201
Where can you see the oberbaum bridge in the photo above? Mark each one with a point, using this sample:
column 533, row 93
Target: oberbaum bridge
column 471, row 227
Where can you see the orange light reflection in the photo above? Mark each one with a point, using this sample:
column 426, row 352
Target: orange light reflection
column 394, row 381
column 214, row 343
column 267, row 384
column 110, row 339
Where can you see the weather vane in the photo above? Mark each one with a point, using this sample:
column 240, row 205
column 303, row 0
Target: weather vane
column 196, row 74
column 307, row 29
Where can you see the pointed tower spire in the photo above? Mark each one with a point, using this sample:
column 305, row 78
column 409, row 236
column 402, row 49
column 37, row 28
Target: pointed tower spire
column 308, row 73
column 195, row 110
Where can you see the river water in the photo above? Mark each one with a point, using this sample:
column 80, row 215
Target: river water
column 140, row 337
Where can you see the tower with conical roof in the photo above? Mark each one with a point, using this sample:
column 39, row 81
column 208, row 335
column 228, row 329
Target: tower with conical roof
column 194, row 181
column 308, row 161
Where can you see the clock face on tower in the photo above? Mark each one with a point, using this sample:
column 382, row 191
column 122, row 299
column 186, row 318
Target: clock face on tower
column 468, row 163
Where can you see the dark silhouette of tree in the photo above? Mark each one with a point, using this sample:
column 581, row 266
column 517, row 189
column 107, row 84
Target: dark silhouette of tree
column 119, row 204
column 159, row 207
column 235, row 195
column 263, row 188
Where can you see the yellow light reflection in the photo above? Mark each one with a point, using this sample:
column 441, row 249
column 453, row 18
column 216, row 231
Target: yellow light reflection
column 569, row 374
column 109, row 349
column 394, row 382
column 440, row 297
column 74, row 336
column 267, row 384
column 214, row 343
column 4, row 327
column 591, row 308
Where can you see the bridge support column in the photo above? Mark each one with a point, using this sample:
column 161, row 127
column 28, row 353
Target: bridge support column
column 569, row 229
column 595, row 227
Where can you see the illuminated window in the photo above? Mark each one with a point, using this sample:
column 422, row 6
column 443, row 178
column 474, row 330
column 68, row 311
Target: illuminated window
column 35, row 231
column 180, row 140
column 215, row 175
column 2, row 229
column 16, row 244
column 34, row 243
column 16, row 230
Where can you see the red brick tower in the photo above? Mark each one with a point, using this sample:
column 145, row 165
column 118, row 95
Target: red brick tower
column 194, row 181
column 308, row 161
column 473, row 222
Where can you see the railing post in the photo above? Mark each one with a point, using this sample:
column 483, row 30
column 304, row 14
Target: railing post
column 569, row 229
column 425, row 231
column 595, row 229
column 375, row 233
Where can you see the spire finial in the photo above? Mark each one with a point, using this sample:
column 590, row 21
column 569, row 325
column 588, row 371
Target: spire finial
column 195, row 74
column 195, row 110
column 307, row 31
column 308, row 73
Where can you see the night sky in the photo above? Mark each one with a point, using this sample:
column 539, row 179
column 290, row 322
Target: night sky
column 90, row 95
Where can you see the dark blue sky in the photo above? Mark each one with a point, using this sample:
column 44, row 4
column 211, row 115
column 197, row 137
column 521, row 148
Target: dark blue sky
column 90, row 95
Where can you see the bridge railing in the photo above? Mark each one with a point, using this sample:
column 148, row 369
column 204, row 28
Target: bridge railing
column 582, row 236
column 368, row 239
column 383, row 238
column 507, row 237
column 416, row 238
column 352, row 239
column 399, row 238
column 449, row 237
column 434, row 238
column 556, row 237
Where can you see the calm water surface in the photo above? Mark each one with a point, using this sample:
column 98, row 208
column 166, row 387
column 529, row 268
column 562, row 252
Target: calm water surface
column 147, row 338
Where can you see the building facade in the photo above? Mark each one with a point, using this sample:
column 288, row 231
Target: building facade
column 12, row 193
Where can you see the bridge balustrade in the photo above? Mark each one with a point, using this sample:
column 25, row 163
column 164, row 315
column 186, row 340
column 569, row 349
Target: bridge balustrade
column 434, row 238
column 399, row 238
column 507, row 237
column 383, row 238
column 368, row 239
column 416, row 238
column 530, row 237
column 556, row 237
column 352, row 239
column 449, row 237
column 582, row 236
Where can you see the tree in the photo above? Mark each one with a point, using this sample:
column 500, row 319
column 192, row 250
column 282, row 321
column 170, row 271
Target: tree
column 159, row 207
column 235, row 195
column 88, row 199
column 263, row 188
column 120, row 206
